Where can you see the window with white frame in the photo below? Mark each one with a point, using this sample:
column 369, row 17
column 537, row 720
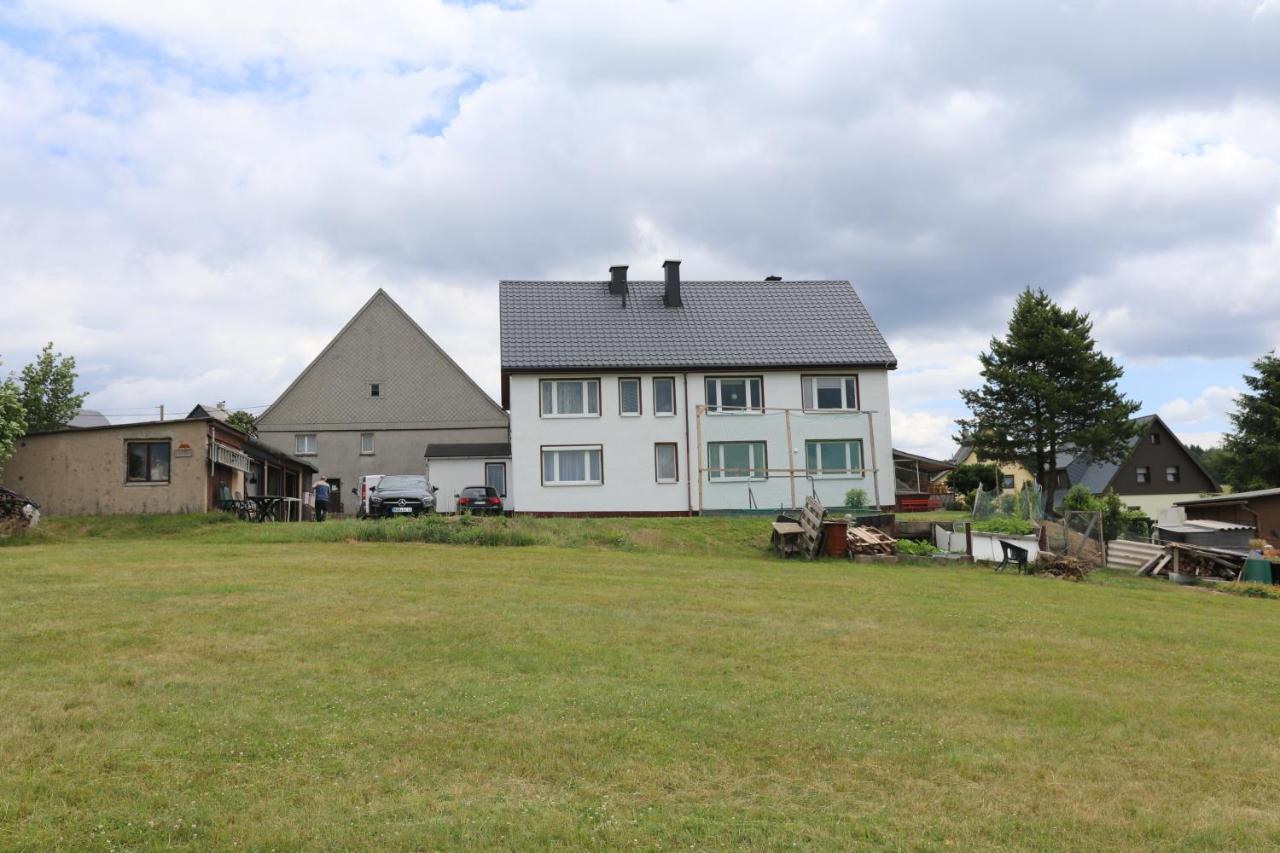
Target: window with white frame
column 570, row 398
column 1172, row 474
column 664, row 395
column 833, row 393
column 495, row 475
column 572, row 466
column 366, row 444
column 629, row 396
column 305, row 444
column 666, row 464
column 1143, row 475
column 737, row 460
column 834, row 457
column 734, row 393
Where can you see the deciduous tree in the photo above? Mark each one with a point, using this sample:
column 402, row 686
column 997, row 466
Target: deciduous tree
column 13, row 418
column 49, row 391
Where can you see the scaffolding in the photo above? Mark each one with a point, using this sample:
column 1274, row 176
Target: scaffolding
column 821, row 447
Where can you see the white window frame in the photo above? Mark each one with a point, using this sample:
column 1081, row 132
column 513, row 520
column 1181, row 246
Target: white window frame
column 369, row 451
column 719, row 408
column 375, row 390
column 503, row 465
column 658, row 413
column 555, row 398
column 1142, row 475
column 300, row 442
column 809, row 391
column 557, row 449
column 848, row 472
column 639, row 397
column 1173, row 473
column 715, row 462
column 675, row 456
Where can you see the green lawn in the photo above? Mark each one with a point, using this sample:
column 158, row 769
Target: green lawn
column 637, row 684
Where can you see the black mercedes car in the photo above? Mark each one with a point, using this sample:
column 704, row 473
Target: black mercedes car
column 402, row 494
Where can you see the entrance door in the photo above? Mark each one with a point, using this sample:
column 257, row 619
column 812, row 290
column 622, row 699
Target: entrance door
column 335, row 495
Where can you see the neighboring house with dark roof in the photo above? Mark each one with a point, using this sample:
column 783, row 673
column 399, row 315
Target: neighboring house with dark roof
column 375, row 398
column 678, row 397
column 1157, row 472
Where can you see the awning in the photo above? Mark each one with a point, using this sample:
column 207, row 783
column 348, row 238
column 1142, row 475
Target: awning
column 226, row 455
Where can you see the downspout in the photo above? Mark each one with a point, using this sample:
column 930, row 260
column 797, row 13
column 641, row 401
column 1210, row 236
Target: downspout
column 211, row 439
column 688, row 452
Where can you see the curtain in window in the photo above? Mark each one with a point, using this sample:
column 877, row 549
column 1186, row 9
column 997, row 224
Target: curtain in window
column 570, row 398
column 548, row 466
column 548, row 403
column 573, row 466
column 666, row 456
column 160, row 461
column 664, row 396
column 630, row 392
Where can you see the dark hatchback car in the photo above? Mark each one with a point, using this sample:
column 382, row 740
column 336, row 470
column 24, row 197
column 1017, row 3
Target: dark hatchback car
column 402, row 494
column 480, row 500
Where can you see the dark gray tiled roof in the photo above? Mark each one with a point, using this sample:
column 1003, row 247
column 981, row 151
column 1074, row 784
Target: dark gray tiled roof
column 473, row 450
column 579, row 324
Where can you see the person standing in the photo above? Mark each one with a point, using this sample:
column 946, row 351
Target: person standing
column 321, row 489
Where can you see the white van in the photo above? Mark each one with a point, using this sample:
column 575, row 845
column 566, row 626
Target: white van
column 362, row 490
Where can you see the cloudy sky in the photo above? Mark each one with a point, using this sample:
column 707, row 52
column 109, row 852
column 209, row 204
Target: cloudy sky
column 195, row 196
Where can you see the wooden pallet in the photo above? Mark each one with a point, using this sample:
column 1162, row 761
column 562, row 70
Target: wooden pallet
column 870, row 540
column 811, row 520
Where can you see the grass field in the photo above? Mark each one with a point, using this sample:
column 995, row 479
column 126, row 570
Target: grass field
column 182, row 683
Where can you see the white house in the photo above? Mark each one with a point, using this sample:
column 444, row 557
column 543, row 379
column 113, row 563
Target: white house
column 680, row 397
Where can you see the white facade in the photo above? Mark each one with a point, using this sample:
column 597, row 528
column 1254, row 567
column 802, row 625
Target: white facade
column 617, row 453
column 452, row 475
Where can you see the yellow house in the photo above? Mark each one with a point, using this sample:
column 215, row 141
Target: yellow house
column 1013, row 475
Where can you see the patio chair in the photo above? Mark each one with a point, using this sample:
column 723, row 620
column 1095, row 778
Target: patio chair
column 1013, row 554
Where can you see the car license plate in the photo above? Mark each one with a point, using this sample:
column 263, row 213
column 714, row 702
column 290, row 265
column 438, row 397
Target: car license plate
column 402, row 509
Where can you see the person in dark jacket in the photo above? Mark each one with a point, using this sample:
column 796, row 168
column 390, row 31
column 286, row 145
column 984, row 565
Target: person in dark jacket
column 321, row 489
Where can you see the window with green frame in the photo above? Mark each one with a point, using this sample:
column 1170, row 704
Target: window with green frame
column 833, row 457
column 737, row 460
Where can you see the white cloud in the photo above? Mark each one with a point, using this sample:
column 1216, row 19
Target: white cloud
column 1214, row 403
column 195, row 196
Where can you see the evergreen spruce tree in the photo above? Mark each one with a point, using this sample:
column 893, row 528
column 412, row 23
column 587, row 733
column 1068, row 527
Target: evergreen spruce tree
column 1253, row 449
column 1046, row 388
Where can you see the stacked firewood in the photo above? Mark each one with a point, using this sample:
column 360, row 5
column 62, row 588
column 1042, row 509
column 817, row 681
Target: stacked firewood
column 17, row 512
column 1194, row 561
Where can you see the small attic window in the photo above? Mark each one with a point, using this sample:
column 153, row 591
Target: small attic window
column 375, row 389
column 1155, row 438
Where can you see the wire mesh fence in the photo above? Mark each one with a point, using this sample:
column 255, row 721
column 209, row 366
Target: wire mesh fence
column 1024, row 504
column 1079, row 535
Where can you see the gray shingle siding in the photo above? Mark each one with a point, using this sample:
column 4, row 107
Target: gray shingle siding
column 570, row 325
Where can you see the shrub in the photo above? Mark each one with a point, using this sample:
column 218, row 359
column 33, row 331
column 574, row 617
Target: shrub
column 1008, row 525
column 856, row 498
column 965, row 479
column 916, row 548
